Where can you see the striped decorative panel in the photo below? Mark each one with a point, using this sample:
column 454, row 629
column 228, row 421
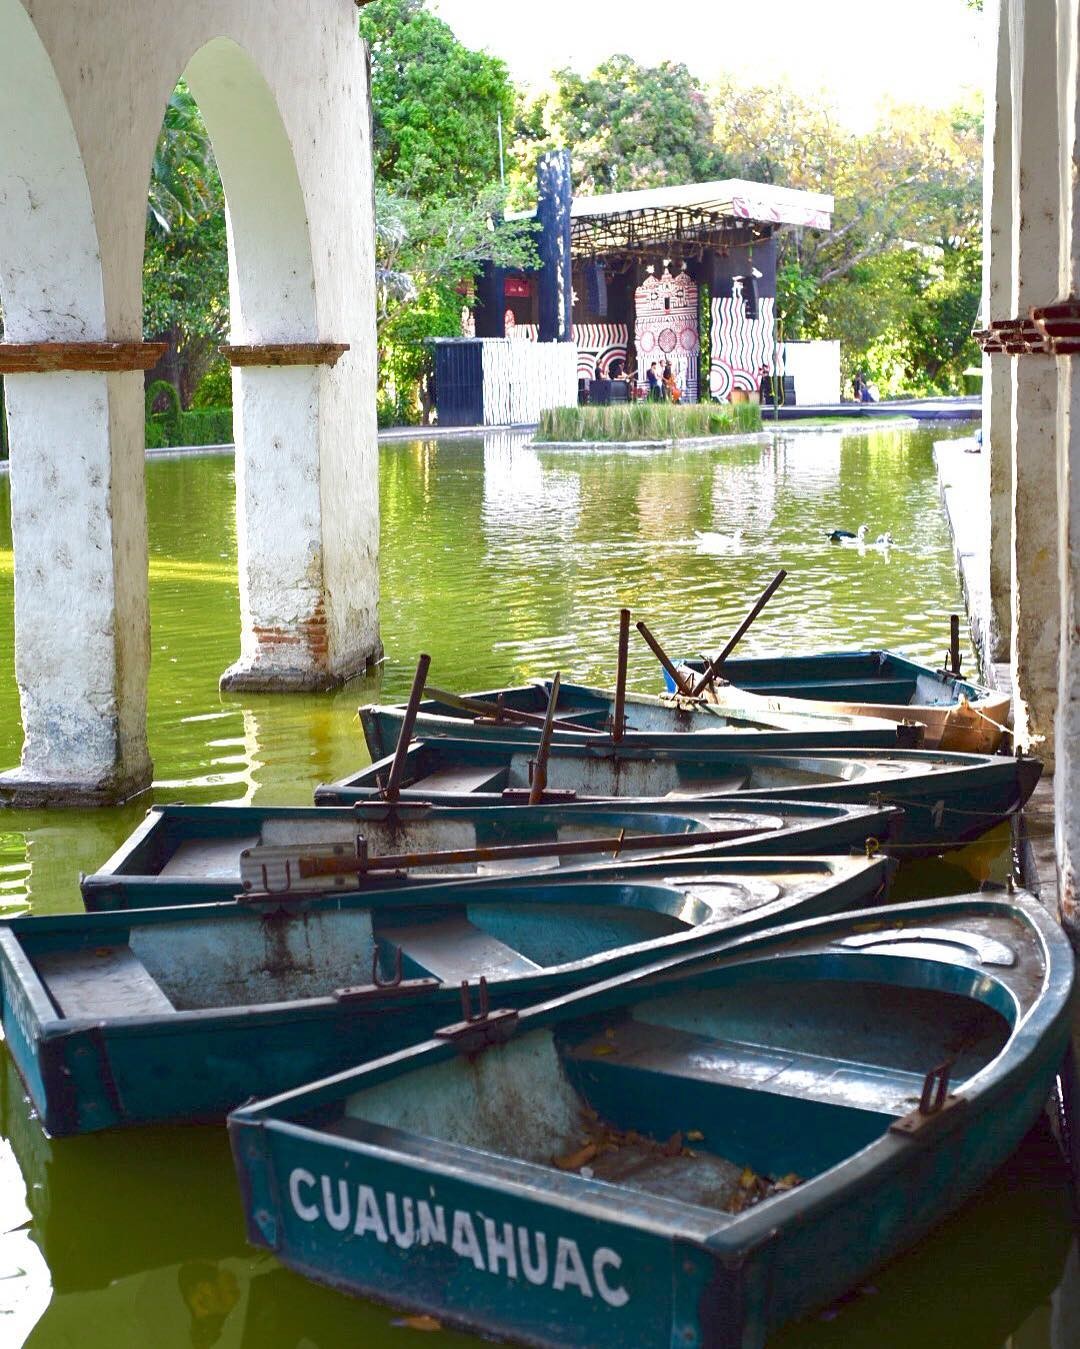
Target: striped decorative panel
column 740, row 346
column 598, row 345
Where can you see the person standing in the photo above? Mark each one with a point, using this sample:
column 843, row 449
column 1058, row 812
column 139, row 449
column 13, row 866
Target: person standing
column 652, row 378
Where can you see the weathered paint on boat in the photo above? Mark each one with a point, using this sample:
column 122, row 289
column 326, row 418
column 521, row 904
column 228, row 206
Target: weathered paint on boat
column 155, row 1014
column 946, row 798
column 573, row 1182
column 956, row 713
column 191, row 854
column 654, row 723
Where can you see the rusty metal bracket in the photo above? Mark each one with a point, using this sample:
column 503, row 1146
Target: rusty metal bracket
column 477, row 1030
column 395, row 978
column 935, row 1100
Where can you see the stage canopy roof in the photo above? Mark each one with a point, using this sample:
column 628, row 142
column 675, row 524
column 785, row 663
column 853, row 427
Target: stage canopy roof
column 702, row 215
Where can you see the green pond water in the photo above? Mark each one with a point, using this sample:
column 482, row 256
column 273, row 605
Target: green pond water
column 503, row 563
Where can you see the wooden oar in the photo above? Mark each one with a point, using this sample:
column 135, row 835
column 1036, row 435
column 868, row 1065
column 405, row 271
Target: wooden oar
column 500, row 713
column 397, row 769
column 715, row 666
column 618, row 720
column 543, row 750
column 677, row 678
column 310, row 867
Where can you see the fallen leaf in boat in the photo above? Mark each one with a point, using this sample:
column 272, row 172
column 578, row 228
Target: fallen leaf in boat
column 673, row 1146
column 574, row 1161
column 747, row 1178
column 695, row 1136
column 417, row 1323
column 609, row 1034
column 787, row 1182
column 600, row 1050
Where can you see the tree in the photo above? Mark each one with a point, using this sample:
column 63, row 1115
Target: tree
column 436, row 104
column 626, row 125
column 185, row 260
column 438, row 203
column 896, row 278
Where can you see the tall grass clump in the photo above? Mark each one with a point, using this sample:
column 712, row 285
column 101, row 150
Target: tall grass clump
column 648, row 421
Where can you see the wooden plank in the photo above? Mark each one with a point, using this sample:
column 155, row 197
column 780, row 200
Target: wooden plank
column 285, row 353
column 29, row 358
column 101, row 981
column 454, row 949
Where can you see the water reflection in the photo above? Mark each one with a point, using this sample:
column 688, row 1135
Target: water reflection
column 504, row 562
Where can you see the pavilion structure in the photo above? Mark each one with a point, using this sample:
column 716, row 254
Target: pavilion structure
column 684, row 275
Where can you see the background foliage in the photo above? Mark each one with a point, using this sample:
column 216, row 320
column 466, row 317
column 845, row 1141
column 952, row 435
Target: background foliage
column 897, row 280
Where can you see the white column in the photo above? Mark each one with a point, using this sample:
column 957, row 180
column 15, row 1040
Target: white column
column 1036, row 594
column 1067, row 799
column 301, row 274
column 998, row 186
column 77, row 500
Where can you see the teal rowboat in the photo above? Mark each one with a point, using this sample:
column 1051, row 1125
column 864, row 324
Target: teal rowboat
column 955, row 713
column 586, row 714
column 156, row 1014
column 947, row 799
column 211, row 854
column 691, row 1155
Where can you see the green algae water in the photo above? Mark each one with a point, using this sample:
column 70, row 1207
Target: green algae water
column 503, row 562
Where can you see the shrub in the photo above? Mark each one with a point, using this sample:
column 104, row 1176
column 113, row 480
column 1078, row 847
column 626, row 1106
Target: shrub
column 648, row 421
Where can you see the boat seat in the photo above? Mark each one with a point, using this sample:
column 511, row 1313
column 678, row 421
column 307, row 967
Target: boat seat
column 461, row 778
column 683, row 1056
column 453, row 949
column 208, row 858
column 101, row 981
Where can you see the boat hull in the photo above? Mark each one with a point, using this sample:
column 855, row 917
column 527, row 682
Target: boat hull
column 183, row 1044
column 191, row 854
column 651, row 723
column 947, row 799
column 437, row 1228
column 963, row 716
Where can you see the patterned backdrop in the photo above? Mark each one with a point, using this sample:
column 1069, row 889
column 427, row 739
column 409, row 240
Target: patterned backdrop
column 598, row 344
column 740, row 345
column 667, row 328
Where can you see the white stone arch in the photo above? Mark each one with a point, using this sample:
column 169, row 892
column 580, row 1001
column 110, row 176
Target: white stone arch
column 50, row 263
column 292, row 133
column 278, row 409
column 83, row 702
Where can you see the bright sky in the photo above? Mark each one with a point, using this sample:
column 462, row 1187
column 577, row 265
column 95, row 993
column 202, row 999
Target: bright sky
column 856, row 51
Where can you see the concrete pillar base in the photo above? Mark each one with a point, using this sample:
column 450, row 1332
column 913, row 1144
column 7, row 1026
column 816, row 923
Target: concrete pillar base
column 22, row 789
column 255, row 675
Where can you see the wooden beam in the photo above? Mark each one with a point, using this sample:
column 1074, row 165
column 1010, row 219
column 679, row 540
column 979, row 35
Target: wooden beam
column 285, row 353
column 27, row 358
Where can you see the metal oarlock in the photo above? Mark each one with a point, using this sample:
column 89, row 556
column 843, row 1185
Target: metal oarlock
column 395, row 979
column 934, row 1102
column 467, row 1013
column 481, row 1028
column 935, row 1089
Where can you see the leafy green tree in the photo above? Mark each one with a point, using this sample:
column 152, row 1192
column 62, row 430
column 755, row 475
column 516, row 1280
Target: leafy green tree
column 896, row 278
column 438, row 203
column 626, row 125
column 436, row 104
column 185, row 259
